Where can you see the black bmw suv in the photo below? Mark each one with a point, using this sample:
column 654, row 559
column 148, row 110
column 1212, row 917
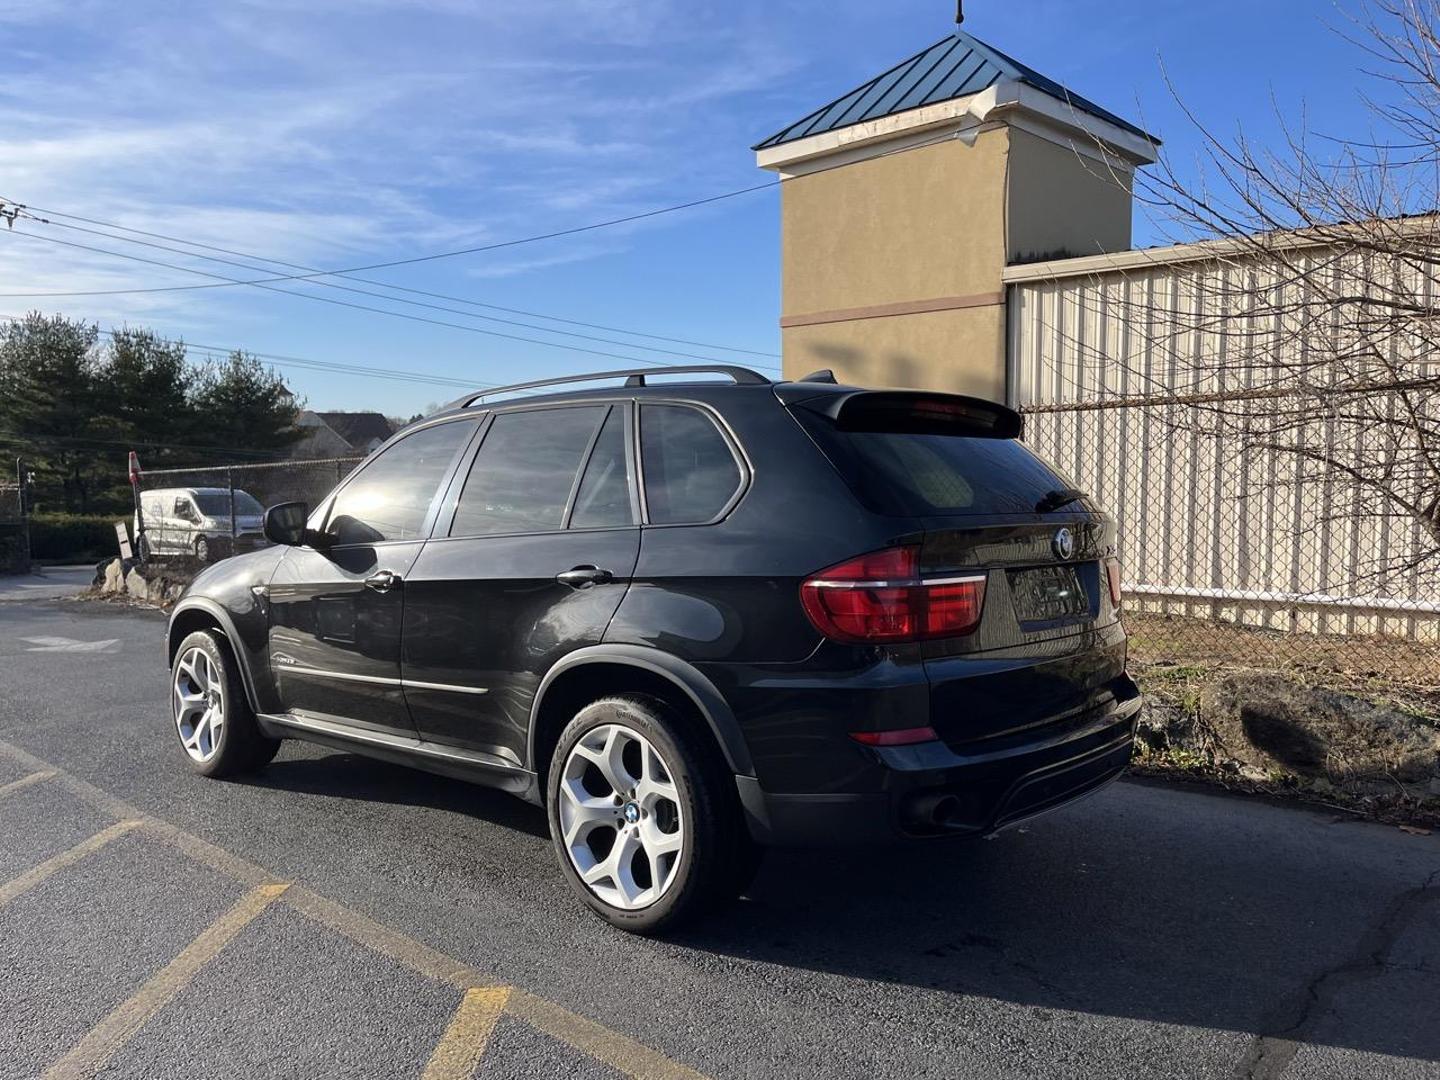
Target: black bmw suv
column 693, row 617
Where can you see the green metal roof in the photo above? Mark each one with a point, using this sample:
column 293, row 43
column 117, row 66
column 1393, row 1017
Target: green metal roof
column 955, row 67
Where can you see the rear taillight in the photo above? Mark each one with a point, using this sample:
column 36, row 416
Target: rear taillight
column 881, row 598
column 1112, row 575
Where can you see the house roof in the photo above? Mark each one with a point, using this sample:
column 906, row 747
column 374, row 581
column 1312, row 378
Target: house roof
column 358, row 428
column 956, row 66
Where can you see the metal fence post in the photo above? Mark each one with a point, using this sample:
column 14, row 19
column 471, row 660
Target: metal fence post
column 234, row 532
column 23, row 508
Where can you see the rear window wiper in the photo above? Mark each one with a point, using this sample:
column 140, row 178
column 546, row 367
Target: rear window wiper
column 1054, row 500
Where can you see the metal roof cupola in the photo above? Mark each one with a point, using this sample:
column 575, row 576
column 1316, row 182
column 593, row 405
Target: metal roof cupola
column 957, row 66
column 905, row 200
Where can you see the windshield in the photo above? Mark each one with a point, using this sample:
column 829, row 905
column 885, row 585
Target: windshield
column 217, row 504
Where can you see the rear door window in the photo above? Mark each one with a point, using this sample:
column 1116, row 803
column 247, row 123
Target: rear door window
column 691, row 474
column 526, row 468
column 603, row 500
column 913, row 475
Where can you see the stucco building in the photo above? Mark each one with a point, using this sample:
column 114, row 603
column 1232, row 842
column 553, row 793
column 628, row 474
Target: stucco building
column 908, row 197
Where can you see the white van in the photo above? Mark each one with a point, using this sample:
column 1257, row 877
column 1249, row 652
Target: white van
column 196, row 522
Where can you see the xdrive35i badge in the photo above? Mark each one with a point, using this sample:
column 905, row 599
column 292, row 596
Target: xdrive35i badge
column 1063, row 544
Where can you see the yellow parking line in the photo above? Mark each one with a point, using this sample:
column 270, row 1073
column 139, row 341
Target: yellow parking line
column 28, row 880
column 461, row 1048
column 25, row 781
column 618, row 1051
column 377, row 937
column 90, row 1054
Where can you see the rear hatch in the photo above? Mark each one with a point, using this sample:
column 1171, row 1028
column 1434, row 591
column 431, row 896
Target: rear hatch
column 1048, row 646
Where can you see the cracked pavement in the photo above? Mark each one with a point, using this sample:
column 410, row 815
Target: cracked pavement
column 1150, row 931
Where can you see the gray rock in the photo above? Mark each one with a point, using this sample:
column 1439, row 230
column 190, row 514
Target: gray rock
column 137, row 586
column 114, row 577
column 1275, row 724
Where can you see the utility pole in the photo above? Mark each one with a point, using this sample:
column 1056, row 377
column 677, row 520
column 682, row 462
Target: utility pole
column 959, row 12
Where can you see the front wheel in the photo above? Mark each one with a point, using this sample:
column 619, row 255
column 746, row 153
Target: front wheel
column 644, row 816
column 211, row 713
column 202, row 550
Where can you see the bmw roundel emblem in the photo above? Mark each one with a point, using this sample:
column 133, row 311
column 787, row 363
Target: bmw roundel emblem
column 1063, row 544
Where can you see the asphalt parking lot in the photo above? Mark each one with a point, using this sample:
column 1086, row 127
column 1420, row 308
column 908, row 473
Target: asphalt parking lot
column 339, row 917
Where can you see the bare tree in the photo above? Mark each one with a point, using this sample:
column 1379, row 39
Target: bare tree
column 1324, row 326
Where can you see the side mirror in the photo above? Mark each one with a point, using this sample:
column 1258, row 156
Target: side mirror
column 285, row 524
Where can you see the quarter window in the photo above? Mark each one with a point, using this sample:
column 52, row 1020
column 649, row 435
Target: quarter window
column 390, row 498
column 525, row 470
column 690, row 472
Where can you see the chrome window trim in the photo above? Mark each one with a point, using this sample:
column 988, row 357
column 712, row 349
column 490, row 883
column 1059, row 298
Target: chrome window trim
column 380, row 680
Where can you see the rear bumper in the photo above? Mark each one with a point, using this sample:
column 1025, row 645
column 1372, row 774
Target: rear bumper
column 931, row 790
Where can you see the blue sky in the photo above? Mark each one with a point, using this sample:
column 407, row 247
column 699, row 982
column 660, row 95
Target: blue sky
column 342, row 132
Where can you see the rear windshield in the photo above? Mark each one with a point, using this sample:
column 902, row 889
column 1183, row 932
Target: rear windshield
column 908, row 475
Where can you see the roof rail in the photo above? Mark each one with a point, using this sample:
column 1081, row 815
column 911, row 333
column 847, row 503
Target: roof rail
column 633, row 377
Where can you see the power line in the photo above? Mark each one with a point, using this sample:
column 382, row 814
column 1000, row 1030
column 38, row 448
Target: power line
column 362, row 292
column 443, row 254
column 397, row 288
column 323, row 299
column 413, row 260
column 138, row 443
column 299, row 362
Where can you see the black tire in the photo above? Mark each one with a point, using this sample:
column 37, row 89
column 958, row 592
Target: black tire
column 142, row 548
column 717, row 856
column 202, row 550
column 241, row 746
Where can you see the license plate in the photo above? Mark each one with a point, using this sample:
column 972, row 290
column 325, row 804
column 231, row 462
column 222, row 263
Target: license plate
column 1047, row 593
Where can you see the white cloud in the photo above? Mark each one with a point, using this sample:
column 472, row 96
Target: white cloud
column 350, row 131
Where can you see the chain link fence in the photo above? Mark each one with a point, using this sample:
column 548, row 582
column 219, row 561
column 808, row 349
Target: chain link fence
column 212, row 513
column 1237, row 553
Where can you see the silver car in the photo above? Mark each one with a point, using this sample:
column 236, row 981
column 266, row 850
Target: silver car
column 198, row 523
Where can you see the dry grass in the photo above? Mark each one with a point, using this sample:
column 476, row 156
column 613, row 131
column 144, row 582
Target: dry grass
column 1176, row 655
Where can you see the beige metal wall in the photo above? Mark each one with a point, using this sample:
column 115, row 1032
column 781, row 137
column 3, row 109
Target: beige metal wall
column 1209, row 531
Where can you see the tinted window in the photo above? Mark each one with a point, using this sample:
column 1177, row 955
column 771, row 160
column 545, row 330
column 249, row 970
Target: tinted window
column 908, row 474
column 522, row 477
column 604, row 497
column 690, row 473
column 390, row 498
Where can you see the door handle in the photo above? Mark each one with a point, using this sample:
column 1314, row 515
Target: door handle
column 585, row 577
column 383, row 582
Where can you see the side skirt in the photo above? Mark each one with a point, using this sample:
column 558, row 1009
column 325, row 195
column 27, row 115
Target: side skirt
column 452, row 761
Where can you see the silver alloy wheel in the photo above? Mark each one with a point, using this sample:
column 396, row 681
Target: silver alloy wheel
column 199, row 695
column 202, row 550
column 620, row 817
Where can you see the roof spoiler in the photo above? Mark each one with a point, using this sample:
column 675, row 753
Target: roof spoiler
column 917, row 412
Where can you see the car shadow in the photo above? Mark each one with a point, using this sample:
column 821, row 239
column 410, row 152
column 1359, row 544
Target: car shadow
column 1144, row 902
column 1147, row 903
column 341, row 775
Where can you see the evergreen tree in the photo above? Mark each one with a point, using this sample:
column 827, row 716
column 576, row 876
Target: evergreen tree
column 50, row 409
column 241, row 404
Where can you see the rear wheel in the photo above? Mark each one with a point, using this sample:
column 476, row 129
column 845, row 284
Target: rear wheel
column 212, row 716
column 202, row 550
column 644, row 816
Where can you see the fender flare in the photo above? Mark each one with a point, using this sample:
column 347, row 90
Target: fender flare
column 227, row 627
column 700, row 690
